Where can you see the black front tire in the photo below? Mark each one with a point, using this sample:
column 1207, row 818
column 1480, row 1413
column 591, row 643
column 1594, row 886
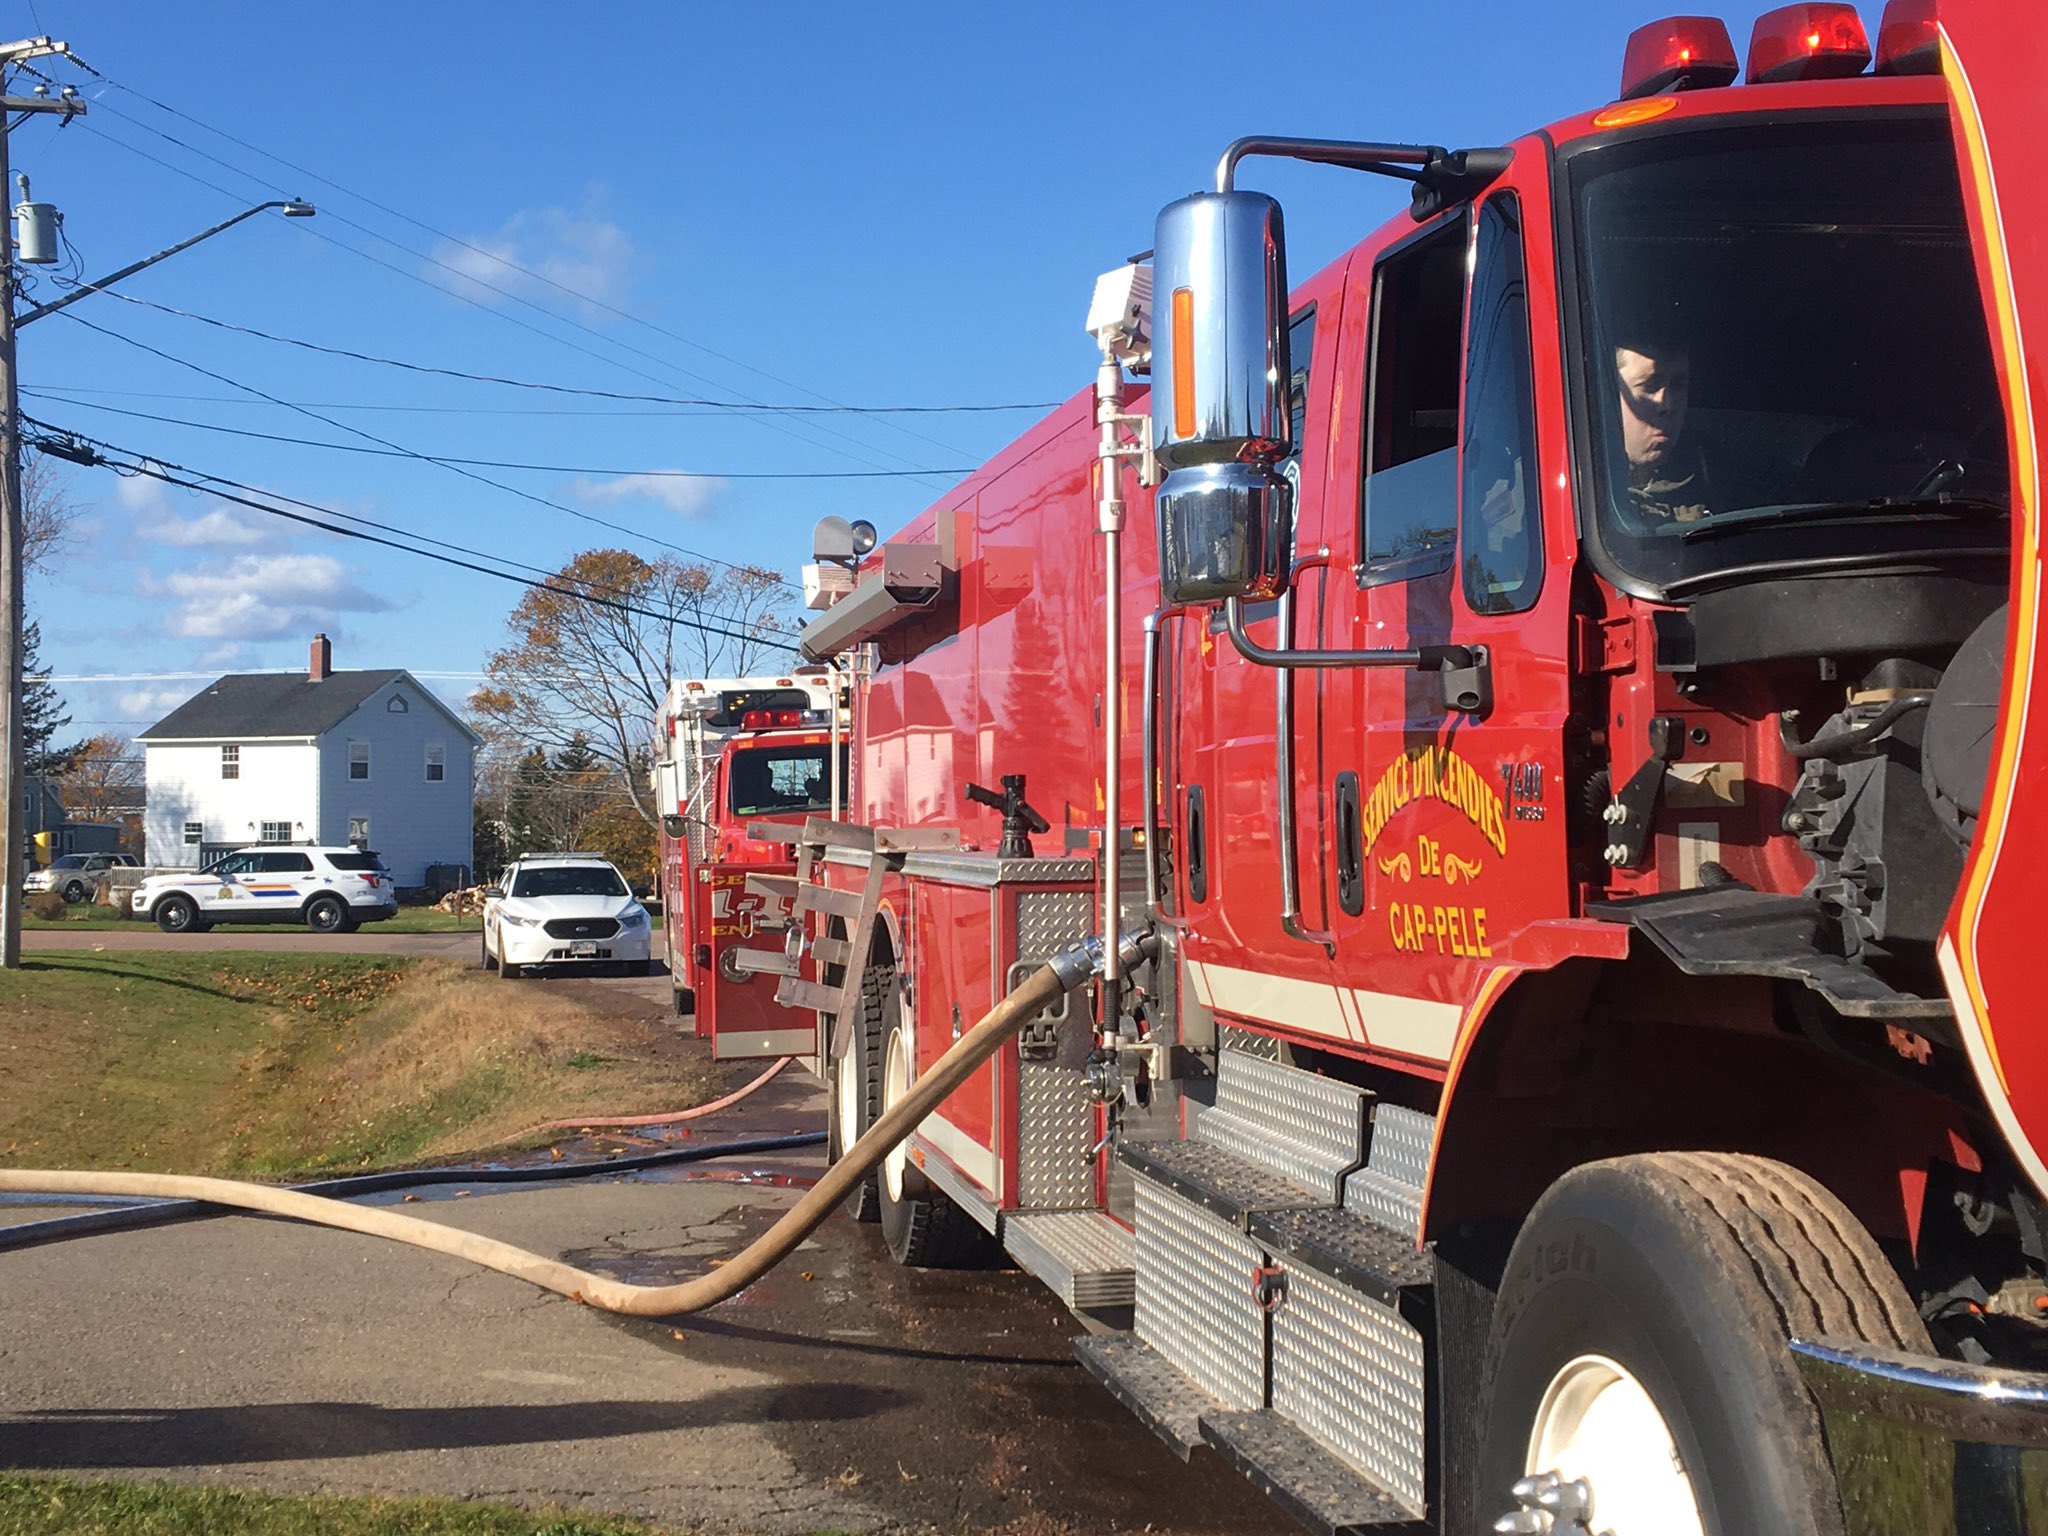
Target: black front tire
column 1689, row 1270
column 490, row 960
column 684, row 999
column 179, row 914
column 76, row 892
column 507, row 971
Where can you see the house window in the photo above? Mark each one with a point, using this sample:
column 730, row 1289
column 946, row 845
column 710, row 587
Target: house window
column 437, row 763
column 231, row 762
column 359, row 759
column 359, row 829
column 194, row 832
column 398, row 706
column 275, row 832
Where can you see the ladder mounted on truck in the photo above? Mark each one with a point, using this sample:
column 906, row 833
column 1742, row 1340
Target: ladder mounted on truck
column 882, row 850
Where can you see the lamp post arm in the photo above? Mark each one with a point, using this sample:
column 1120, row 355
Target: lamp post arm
column 83, row 289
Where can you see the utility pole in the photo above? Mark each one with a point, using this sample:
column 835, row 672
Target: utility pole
column 13, row 843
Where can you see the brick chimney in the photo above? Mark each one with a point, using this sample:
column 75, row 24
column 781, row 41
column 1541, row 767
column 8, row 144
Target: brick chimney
column 322, row 663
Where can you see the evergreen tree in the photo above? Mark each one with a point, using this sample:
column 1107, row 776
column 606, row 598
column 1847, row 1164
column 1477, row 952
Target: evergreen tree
column 43, row 713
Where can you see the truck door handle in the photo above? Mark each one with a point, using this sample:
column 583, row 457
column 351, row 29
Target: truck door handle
column 1198, row 854
column 1350, row 848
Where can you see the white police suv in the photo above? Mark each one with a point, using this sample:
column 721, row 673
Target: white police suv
column 330, row 890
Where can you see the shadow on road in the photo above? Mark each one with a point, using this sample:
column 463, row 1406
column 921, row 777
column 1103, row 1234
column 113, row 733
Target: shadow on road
column 144, row 1438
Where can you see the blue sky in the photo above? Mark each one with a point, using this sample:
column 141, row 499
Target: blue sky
column 865, row 205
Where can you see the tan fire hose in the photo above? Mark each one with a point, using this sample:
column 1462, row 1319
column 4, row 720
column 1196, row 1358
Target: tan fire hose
column 1035, row 993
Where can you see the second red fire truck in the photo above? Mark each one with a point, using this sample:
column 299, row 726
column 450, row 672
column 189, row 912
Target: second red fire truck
column 1537, row 714
column 730, row 754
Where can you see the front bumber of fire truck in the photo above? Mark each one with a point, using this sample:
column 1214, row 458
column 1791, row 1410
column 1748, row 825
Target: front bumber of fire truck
column 1885, row 1408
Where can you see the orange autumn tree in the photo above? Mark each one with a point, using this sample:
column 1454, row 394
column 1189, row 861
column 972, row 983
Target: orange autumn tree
column 592, row 652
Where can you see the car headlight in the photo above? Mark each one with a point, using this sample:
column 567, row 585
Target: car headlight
column 517, row 921
column 633, row 917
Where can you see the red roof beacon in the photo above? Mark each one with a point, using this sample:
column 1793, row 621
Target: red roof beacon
column 1679, row 53
column 1807, row 42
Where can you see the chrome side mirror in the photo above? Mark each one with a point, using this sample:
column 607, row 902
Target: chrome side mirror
column 1220, row 418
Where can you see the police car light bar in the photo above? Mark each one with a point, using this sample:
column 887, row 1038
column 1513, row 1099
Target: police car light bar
column 1679, row 53
column 1807, row 42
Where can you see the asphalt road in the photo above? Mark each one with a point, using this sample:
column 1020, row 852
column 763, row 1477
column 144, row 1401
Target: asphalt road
column 840, row 1393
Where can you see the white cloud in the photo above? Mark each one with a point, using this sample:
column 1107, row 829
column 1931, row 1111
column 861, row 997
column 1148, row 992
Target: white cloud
column 221, row 655
column 222, row 528
column 155, row 516
column 582, row 251
column 154, row 703
column 686, row 498
column 262, row 597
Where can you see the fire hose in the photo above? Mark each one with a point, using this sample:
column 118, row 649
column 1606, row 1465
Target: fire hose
column 1023, row 1003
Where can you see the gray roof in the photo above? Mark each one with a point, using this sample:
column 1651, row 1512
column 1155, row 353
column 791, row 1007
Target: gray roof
column 255, row 704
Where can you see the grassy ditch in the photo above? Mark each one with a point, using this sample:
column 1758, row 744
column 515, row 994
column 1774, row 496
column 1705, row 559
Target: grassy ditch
column 245, row 1063
column 37, row 1506
column 86, row 918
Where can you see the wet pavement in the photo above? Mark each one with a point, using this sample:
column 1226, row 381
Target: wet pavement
column 840, row 1393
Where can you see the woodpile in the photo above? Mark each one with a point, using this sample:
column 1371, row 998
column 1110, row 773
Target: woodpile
column 464, row 903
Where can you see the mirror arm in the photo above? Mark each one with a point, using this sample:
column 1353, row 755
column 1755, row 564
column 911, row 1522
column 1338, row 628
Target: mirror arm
column 1424, row 658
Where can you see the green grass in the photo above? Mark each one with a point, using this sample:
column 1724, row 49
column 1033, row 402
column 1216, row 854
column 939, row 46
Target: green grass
column 91, row 919
column 39, row 1506
column 241, row 1062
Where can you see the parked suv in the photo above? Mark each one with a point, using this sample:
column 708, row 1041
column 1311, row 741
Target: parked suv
column 330, row 890
column 73, row 875
column 556, row 908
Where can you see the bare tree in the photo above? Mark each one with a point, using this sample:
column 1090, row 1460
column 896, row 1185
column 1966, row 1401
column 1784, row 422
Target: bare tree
column 593, row 652
column 46, row 513
column 101, row 779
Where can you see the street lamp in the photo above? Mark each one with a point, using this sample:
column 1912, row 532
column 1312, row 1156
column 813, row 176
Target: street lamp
column 294, row 208
column 13, row 840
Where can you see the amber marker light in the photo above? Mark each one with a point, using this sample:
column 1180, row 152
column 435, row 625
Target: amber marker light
column 1629, row 112
column 1183, row 363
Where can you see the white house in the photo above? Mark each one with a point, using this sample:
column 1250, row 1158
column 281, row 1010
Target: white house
column 314, row 757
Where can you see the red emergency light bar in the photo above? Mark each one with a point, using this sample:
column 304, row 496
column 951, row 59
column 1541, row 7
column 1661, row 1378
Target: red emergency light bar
column 1908, row 42
column 1807, row 42
column 1679, row 53
column 763, row 719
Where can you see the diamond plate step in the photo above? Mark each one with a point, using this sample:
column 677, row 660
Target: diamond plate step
column 1086, row 1257
column 1354, row 1251
column 1216, row 1179
column 1137, row 1376
column 1316, row 1488
column 1304, row 1127
column 1388, row 1189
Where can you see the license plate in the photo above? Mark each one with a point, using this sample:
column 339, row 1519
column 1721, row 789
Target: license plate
column 585, row 948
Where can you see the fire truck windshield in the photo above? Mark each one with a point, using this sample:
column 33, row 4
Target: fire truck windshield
column 1786, row 365
column 783, row 781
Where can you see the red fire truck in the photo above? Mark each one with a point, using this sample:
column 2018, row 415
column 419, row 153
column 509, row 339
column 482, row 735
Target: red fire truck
column 734, row 754
column 1537, row 713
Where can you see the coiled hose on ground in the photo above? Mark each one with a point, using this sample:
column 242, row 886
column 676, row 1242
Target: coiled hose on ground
column 1034, row 994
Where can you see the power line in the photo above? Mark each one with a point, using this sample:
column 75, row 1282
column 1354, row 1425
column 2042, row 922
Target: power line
column 467, row 474
column 157, row 469
column 742, row 407
column 451, row 459
column 471, row 278
column 65, row 392
column 406, row 218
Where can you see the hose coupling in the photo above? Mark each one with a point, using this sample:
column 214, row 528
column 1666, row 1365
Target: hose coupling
column 1083, row 962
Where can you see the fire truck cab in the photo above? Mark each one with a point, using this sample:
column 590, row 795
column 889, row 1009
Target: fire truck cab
column 739, row 761
column 1536, row 714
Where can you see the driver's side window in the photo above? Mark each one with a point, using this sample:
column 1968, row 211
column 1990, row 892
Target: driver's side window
column 1411, row 480
column 235, row 864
